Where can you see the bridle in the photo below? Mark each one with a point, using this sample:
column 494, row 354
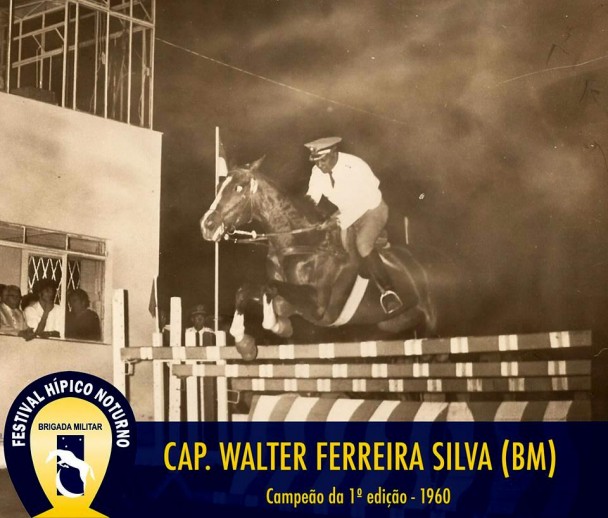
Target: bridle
column 251, row 236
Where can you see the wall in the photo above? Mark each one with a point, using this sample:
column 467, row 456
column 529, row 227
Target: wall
column 10, row 264
column 73, row 172
column 21, row 364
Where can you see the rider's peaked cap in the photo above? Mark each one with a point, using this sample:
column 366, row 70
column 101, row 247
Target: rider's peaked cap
column 320, row 147
column 199, row 309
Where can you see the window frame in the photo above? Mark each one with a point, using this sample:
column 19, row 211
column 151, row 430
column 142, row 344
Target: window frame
column 64, row 254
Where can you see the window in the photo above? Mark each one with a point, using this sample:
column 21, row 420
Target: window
column 29, row 254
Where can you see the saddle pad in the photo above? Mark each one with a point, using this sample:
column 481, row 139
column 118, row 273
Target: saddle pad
column 352, row 302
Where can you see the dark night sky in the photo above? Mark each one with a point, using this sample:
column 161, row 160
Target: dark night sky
column 472, row 115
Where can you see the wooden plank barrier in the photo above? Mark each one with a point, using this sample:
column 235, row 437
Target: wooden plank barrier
column 378, row 349
column 541, row 376
column 173, row 400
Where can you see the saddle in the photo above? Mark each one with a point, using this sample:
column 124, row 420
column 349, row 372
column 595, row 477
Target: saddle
column 348, row 242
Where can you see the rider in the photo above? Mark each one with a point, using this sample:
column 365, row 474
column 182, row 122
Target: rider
column 350, row 184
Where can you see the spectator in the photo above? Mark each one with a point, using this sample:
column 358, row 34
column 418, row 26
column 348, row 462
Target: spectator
column 44, row 316
column 27, row 300
column 199, row 333
column 12, row 320
column 81, row 322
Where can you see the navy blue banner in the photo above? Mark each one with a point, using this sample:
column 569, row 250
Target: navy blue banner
column 368, row 469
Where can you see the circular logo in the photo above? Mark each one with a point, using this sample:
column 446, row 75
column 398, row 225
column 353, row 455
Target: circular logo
column 69, row 443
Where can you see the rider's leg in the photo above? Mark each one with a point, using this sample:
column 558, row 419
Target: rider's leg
column 368, row 228
column 389, row 299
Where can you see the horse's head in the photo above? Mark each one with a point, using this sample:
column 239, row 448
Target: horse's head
column 233, row 205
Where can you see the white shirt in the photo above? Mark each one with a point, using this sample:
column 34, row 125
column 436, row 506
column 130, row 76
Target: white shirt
column 190, row 336
column 355, row 191
column 33, row 315
column 11, row 320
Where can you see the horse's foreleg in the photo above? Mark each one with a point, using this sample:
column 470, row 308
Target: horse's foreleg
column 248, row 293
column 276, row 319
column 281, row 300
column 302, row 299
column 245, row 343
column 270, row 318
column 237, row 328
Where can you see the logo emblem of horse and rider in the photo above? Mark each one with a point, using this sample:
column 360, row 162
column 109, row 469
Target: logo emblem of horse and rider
column 69, row 443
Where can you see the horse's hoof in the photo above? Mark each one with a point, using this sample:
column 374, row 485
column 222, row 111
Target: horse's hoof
column 283, row 328
column 247, row 348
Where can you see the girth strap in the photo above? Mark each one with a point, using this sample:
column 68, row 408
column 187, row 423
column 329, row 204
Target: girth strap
column 306, row 250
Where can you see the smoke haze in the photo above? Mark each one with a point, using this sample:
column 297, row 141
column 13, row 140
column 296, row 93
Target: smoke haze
column 485, row 122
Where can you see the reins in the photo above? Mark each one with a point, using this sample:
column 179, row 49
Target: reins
column 255, row 237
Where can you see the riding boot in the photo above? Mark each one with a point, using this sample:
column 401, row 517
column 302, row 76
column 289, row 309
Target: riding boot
column 389, row 300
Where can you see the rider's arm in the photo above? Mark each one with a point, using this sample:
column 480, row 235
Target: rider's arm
column 42, row 324
column 315, row 190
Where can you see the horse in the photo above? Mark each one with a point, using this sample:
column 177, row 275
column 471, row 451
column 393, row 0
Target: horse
column 311, row 273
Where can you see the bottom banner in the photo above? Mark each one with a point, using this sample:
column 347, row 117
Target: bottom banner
column 361, row 469
column 73, row 449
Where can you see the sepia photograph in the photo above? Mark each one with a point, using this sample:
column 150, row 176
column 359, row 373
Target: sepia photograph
column 315, row 210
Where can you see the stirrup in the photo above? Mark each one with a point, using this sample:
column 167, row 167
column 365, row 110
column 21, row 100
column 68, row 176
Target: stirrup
column 385, row 304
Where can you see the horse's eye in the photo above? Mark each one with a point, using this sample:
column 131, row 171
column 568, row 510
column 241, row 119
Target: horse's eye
column 239, row 188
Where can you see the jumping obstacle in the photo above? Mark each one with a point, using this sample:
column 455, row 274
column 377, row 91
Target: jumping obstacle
column 542, row 376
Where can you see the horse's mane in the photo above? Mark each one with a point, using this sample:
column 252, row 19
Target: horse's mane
column 307, row 206
column 302, row 203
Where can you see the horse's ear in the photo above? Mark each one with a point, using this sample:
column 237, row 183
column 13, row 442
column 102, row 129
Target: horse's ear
column 256, row 165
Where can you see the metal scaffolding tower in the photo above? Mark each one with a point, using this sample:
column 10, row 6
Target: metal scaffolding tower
column 95, row 56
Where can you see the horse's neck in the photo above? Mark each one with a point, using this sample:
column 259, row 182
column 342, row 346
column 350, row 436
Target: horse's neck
column 282, row 216
column 276, row 211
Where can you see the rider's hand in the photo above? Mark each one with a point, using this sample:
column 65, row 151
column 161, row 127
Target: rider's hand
column 334, row 219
